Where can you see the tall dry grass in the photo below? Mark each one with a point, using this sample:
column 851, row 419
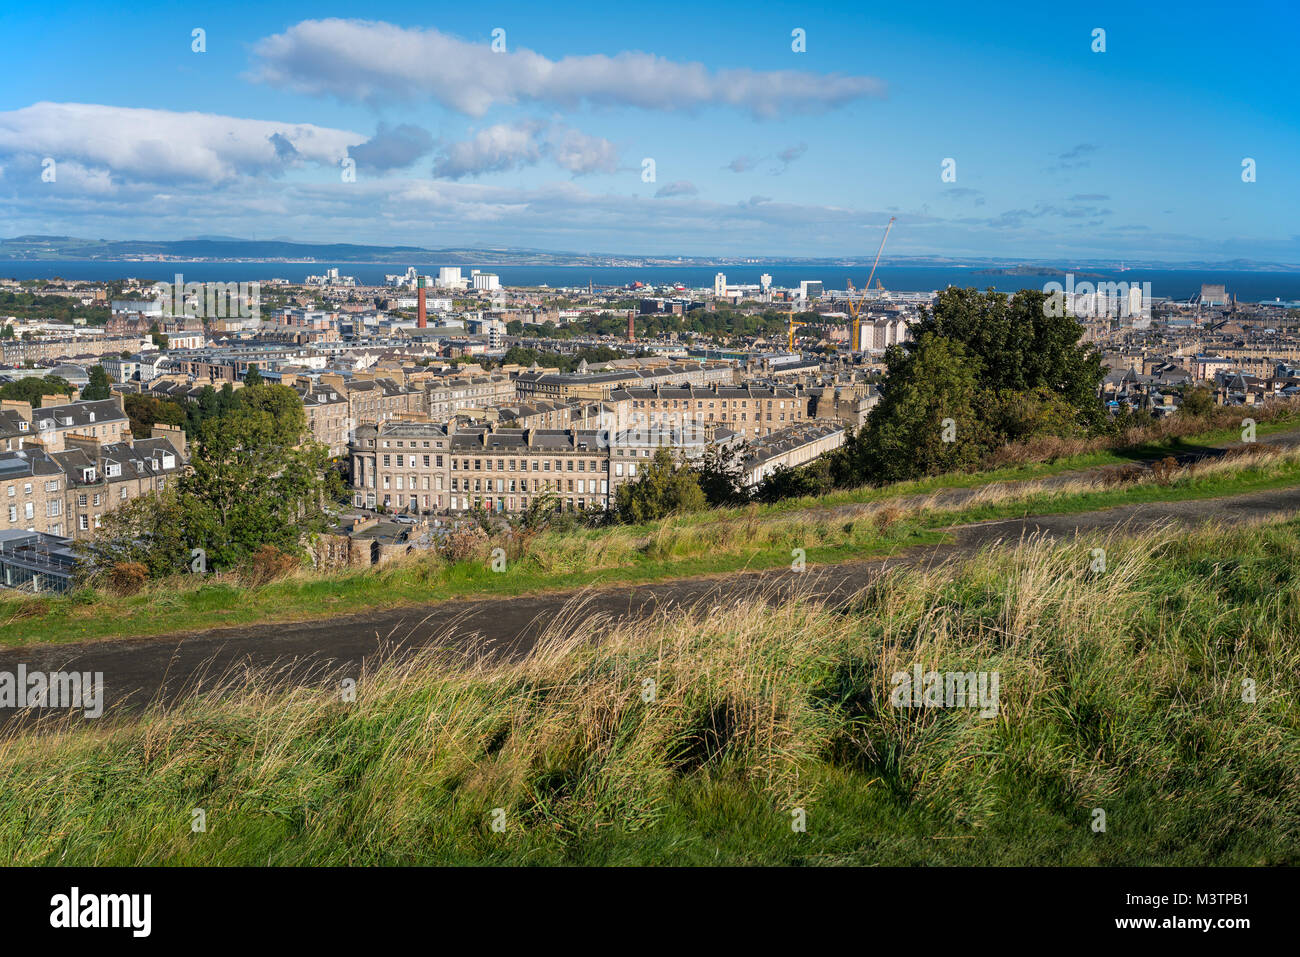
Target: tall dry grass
column 634, row 741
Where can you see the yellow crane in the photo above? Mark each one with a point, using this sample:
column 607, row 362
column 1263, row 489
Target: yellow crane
column 855, row 309
column 792, row 325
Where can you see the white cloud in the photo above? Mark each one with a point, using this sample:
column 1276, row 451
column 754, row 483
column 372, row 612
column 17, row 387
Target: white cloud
column 496, row 149
column 393, row 147
column 509, row 146
column 367, row 61
column 680, row 188
column 124, row 144
column 581, row 153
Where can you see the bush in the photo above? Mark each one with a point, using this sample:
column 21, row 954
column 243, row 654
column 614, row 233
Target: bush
column 1164, row 469
column 1122, row 475
column 126, row 578
column 267, row 564
column 463, row 543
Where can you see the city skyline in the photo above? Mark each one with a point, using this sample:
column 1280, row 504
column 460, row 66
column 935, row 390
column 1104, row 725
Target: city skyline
column 757, row 149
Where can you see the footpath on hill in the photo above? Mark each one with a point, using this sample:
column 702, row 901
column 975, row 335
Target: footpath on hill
column 141, row 671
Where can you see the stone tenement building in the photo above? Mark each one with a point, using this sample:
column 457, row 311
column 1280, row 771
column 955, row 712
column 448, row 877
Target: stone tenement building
column 67, row 493
column 428, row 467
column 791, row 449
column 32, row 492
column 58, row 419
column 326, row 409
column 541, row 384
column 448, row 395
column 15, row 429
column 104, row 476
column 15, row 352
column 371, row 401
column 749, row 411
column 543, row 414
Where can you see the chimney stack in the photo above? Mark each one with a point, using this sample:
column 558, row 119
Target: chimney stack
column 631, row 326
column 421, row 321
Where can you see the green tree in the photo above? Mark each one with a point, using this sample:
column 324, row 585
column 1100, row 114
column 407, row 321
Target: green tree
column 1197, row 401
column 926, row 422
column 1011, row 416
column 258, row 478
column 149, row 530
column 1021, row 344
column 145, row 411
column 99, row 386
column 721, row 476
column 663, row 488
column 31, row 389
column 784, row 482
column 252, row 376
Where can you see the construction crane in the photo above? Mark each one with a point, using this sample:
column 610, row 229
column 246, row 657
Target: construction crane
column 855, row 309
column 792, row 325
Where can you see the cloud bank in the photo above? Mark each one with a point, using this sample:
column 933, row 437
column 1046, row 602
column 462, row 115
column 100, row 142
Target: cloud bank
column 375, row 62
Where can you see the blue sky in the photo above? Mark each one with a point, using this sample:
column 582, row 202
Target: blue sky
column 1060, row 152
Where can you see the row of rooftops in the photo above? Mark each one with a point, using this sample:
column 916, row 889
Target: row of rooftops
column 582, row 377
column 77, row 414
column 706, row 392
column 779, row 443
column 125, row 461
column 479, row 438
column 14, row 423
column 306, row 385
column 89, row 463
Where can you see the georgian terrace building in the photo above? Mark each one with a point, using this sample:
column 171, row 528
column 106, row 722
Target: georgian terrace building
column 428, row 467
column 447, row 395
column 750, row 411
column 371, row 401
column 32, row 492
column 103, row 476
column 67, row 493
column 582, row 384
column 58, row 419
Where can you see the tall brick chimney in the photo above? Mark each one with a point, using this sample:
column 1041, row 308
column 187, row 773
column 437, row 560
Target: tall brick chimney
column 631, row 326
column 421, row 320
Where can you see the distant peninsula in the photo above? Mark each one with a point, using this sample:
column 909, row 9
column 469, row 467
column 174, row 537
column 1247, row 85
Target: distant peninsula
column 217, row 249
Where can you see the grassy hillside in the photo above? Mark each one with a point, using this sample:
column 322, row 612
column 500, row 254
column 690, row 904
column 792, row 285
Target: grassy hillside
column 721, row 541
column 1120, row 691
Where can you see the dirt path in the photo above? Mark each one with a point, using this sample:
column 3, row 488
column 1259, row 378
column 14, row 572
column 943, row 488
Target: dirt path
column 143, row 670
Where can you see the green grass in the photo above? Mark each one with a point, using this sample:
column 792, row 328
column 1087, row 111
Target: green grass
column 1143, row 452
column 1120, row 691
column 746, row 539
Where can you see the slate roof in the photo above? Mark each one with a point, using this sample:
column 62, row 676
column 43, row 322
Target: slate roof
column 76, row 415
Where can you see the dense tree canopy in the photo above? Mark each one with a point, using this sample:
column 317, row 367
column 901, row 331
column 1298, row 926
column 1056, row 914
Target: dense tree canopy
column 1019, row 345
column 926, row 422
column 258, row 478
column 99, row 386
column 31, row 389
column 999, row 368
column 662, row 489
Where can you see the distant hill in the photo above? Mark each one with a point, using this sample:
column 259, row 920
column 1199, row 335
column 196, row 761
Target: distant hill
column 229, row 249
column 67, row 247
